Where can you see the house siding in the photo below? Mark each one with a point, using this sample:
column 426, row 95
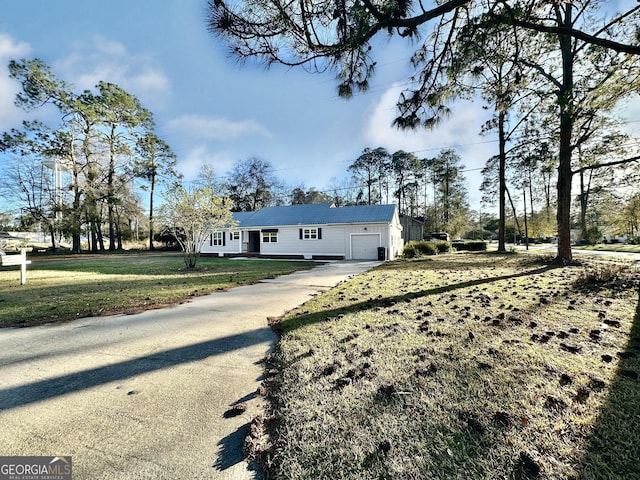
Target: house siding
column 288, row 243
column 230, row 246
column 378, row 231
column 335, row 242
column 412, row 229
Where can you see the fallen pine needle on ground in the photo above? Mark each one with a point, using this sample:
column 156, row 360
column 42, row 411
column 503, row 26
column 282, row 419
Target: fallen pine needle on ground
column 458, row 366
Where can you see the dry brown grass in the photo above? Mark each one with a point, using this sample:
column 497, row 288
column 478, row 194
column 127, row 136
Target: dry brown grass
column 461, row 366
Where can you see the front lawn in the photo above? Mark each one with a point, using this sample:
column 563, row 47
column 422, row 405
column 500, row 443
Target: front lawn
column 68, row 287
column 463, row 366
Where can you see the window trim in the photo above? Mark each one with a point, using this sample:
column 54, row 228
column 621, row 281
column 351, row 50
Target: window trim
column 217, row 239
column 269, row 236
column 307, row 233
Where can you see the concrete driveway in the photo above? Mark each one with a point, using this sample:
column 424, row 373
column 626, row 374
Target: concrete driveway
column 143, row 396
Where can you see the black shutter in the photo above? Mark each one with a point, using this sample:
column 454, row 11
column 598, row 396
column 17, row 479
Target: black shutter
column 300, row 234
column 211, row 239
column 224, row 239
column 319, row 234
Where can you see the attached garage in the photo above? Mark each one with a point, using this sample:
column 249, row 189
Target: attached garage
column 365, row 246
column 312, row 231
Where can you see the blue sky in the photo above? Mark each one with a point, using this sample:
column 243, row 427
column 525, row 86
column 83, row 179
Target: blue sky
column 212, row 110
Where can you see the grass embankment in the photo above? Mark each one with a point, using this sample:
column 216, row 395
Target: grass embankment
column 68, row 287
column 468, row 366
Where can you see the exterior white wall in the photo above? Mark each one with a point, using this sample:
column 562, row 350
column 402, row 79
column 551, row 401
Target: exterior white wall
column 335, row 241
column 396, row 240
column 231, row 246
column 379, row 230
column 364, row 246
column 390, row 237
column 289, row 243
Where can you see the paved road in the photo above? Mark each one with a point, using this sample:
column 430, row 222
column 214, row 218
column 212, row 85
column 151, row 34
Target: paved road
column 143, row 396
column 552, row 249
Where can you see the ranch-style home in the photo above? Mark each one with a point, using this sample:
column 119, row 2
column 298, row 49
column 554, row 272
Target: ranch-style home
column 315, row 231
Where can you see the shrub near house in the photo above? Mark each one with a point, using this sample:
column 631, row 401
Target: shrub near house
column 416, row 249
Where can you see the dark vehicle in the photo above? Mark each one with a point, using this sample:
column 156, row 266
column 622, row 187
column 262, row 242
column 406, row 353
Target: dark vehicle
column 443, row 236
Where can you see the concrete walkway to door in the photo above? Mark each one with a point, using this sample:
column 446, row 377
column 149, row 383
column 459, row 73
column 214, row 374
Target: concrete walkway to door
column 143, row 396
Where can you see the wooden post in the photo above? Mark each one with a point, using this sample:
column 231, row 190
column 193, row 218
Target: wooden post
column 23, row 266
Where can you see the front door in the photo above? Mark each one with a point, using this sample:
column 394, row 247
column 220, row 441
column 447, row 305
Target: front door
column 254, row 241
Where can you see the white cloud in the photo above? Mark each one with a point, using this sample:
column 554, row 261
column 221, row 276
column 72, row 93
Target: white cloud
column 109, row 48
column 459, row 132
column 10, row 49
column 199, row 155
column 110, row 61
column 212, row 128
column 151, row 80
column 629, row 113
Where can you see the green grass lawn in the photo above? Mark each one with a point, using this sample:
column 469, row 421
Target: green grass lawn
column 66, row 287
column 464, row 366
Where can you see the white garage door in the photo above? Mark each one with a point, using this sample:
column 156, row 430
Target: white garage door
column 365, row 247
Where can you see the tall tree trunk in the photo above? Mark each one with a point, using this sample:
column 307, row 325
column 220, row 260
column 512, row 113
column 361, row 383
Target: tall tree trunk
column 75, row 214
column 99, row 233
column 530, row 192
column 547, row 193
column 52, row 234
column 503, row 185
column 151, row 191
column 563, row 216
column 584, row 201
column 526, row 225
column 110, row 189
column 118, row 234
column 93, row 237
column 446, row 198
column 565, row 174
column 513, row 209
column 436, row 220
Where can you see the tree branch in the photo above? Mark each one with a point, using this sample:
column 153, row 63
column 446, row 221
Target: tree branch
column 577, row 34
column 615, row 21
column 604, row 165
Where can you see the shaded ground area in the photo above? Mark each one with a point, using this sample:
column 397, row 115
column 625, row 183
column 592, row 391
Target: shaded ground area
column 614, row 446
column 461, row 366
column 147, row 395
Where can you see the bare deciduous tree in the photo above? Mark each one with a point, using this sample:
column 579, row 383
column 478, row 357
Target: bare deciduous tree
column 192, row 216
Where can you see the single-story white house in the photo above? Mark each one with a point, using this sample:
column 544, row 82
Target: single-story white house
column 314, row 231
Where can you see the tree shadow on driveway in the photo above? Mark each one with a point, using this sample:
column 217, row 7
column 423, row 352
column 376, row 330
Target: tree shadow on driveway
column 53, row 387
column 230, row 452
